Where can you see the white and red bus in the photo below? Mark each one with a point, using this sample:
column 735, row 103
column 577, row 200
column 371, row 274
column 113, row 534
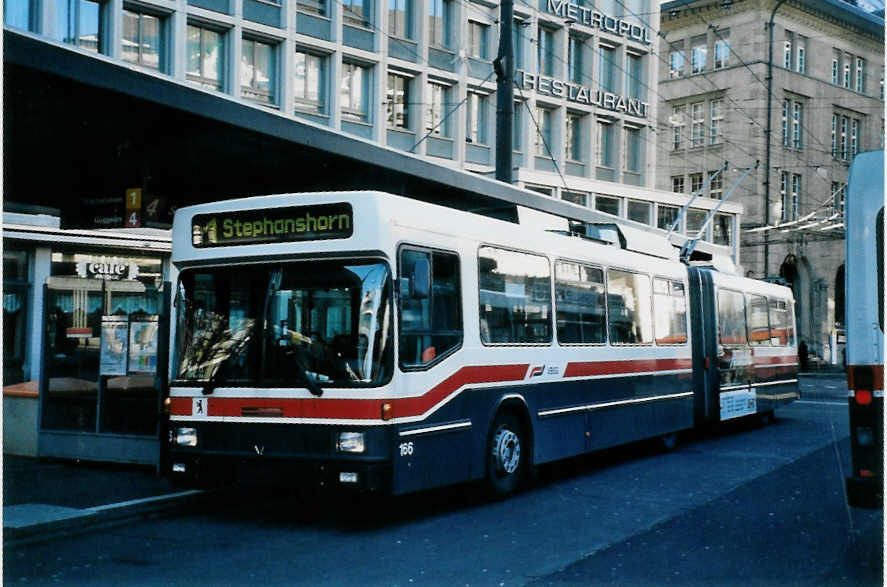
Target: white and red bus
column 864, row 302
column 366, row 340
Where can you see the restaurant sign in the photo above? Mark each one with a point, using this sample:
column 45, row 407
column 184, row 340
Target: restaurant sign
column 582, row 94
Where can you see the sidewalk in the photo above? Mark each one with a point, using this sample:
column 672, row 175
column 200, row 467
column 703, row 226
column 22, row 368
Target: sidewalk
column 43, row 498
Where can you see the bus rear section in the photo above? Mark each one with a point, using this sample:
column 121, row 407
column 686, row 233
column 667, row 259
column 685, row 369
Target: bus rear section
column 745, row 358
column 864, row 302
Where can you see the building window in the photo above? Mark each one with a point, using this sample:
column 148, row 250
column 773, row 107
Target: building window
column 789, row 191
column 722, row 230
column 517, row 44
column 206, row 57
column 677, row 184
column 257, row 71
column 835, row 122
column 477, row 40
column 797, row 125
column 439, row 22
column 678, row 124
column 312, row 6
column 722, row 50
column 400, row 17
column 854, row 138
column 310, row 82
column 836, row 69
column 676, row 61
column 846, row 79
column 698, row 55
column 80, row 23
column 860, row 75
column 801, row 54
column 579, row 198
column 354, row 92
column 844, row 124
column 607, row 74
column 665, row 216
column 605, row 156
column 20, row 14
column 839, row 192
column 398, row 101
column 696, row 223
column 632, row 151
column 436, row 121
column 357, row 12
column 697, row 124
column 573, row 144
column 545, row 191
column 787, row 50
column 476, row 119
column 716, row 185
column 695, row 182
column 716, row 112
column 786, row 115
column 634, row 86
column 574, row 59
column 607, row 204
column 639, row 211
column 545, row 51
column 543, row 132
column 142, row 41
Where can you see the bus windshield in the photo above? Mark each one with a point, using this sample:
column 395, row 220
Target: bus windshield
column 275, row 325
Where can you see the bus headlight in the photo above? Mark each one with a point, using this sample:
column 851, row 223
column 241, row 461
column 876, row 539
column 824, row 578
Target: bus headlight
column 186, row 437
column 351, row 442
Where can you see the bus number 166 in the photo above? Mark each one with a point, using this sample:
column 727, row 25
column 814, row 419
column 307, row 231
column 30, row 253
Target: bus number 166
column 406, row 449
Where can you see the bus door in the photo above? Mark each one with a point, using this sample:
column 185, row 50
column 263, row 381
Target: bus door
column 705, row 358
column 735, row 357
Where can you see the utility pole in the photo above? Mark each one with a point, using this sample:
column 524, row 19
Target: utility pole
column 504, row 67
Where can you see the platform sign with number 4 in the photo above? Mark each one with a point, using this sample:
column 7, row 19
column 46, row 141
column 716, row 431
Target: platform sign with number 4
column 133, row 217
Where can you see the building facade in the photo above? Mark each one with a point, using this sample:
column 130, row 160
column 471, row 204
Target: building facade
column 822, row 105
column 418, row 76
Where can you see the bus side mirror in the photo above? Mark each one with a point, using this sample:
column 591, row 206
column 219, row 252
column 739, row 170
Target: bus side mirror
column 420, row 279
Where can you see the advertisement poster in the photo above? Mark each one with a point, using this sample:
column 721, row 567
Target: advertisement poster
column 143, row 347
column 115, row 339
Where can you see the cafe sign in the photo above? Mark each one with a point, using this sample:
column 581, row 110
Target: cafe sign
column 107, row 268
column 594, row 19
column 582, row 94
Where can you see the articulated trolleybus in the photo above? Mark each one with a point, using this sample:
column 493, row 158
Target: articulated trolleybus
column 864, row 301
column 372, row 341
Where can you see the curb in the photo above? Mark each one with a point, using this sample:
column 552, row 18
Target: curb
column 88, row 519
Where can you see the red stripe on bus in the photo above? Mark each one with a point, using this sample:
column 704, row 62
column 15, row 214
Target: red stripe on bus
column 777, row 359
column 625, row 367
column 358, row 409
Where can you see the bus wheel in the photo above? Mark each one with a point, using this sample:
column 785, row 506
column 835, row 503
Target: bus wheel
column 506, row 455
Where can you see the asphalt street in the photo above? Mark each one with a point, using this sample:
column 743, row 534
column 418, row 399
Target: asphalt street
column 745, row 506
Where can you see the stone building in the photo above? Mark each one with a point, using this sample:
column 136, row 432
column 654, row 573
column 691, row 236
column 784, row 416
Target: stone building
column 822, row 104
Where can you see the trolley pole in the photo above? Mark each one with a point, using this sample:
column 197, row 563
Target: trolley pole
column 504, row 66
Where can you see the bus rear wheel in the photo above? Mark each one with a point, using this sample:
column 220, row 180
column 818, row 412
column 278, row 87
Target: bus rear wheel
column 506, row 455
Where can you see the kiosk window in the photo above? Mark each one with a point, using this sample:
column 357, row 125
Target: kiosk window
column 430, row 306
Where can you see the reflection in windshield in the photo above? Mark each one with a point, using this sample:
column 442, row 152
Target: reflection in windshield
column 328, row 321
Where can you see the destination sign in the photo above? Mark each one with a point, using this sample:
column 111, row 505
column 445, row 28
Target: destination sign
column 293, row 223
column 594, row 19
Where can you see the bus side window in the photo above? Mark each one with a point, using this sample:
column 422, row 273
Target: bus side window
column 430, row 325
column 731, row 318
column 758, row 322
